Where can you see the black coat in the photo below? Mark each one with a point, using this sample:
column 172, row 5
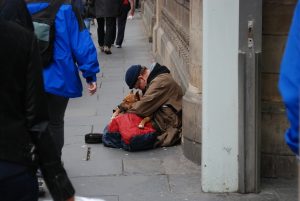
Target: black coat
column 21, row 87
column 108, row 8
column 24, row 133
column 16, row 11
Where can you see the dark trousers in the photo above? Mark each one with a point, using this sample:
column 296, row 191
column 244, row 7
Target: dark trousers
column 122, row 19
column 106, row 31
column 17, row 185
column 137, row 4
column 57, row 106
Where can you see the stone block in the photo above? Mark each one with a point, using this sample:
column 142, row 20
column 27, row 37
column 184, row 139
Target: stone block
column 192, row 150
column 180, row 166
column 272, row 51
column 273, row 127
column 192, row 116
column 185, row 183
column 121, row 185
column 268, row 165
column 277, row 16
column 149, row 18
column 278, row 166
column 269, row 87
column 75, row 155
column 287, row 166
column 143, row 167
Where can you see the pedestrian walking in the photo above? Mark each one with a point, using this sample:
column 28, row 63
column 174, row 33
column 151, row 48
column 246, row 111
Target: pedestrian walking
column 25, row 140
column 127, row 7
column 106, row 13
column 137, row 4
column 73, row 52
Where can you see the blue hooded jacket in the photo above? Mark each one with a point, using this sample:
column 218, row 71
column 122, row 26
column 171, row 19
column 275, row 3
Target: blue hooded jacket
column 73, row 50
column 289, row 81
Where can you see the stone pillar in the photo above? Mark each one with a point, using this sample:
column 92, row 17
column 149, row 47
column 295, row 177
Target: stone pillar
column 149, row 17
column 220, row 96
column 192, row 102
column 177, row 43
column 158, row 7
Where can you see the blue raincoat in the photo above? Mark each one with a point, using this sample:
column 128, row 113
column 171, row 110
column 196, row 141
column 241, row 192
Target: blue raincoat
column 73, row 50
column 289, row 81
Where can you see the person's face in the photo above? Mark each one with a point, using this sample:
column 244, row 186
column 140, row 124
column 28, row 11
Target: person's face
column 141, row 83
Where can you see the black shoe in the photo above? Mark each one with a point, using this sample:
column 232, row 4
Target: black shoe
column 101, row 48
column 93, row 138
column 107, row 50
column 41, row 184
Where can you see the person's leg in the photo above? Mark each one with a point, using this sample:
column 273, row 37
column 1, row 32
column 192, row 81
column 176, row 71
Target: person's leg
column 121, row 20
column 100, row 32
column 92, row 21
column 22, row 187
column 110, row 35
column 137, row 4
column 57, row 106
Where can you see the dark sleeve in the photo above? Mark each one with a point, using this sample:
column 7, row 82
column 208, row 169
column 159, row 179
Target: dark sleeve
column 36, row 106
column 54, row 174
column 16, row 10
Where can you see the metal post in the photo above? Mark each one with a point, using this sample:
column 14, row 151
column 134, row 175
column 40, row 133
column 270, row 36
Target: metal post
column 250, row 32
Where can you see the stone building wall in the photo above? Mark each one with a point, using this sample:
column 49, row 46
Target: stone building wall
column 177, row 43
column 149, row 16
column 176, row 29
column 276, row 158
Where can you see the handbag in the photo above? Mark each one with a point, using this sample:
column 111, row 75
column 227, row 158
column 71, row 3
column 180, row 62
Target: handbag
column 93, row 138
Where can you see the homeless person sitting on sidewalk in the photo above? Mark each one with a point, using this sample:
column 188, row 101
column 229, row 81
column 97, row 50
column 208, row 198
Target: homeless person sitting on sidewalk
column 161, row 100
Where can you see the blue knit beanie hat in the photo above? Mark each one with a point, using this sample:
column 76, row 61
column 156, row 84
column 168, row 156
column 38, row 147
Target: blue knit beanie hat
column 132, row 75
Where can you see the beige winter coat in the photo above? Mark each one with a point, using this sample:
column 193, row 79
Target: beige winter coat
column 163, row 101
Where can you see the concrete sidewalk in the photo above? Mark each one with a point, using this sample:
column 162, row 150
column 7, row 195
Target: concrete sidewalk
column 162, row 174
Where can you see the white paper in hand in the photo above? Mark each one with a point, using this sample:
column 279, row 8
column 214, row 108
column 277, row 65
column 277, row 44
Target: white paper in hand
column 130, row 17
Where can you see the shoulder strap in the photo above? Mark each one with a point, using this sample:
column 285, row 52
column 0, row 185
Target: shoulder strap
column 78, row 16
column 50, row 11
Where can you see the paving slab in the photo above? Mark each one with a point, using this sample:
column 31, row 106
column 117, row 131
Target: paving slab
column 121, row 185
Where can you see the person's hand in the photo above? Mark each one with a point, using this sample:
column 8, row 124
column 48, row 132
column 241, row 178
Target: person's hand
column 130, row 17
column 92, row 87
column 132, row 12
column 71, row 199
